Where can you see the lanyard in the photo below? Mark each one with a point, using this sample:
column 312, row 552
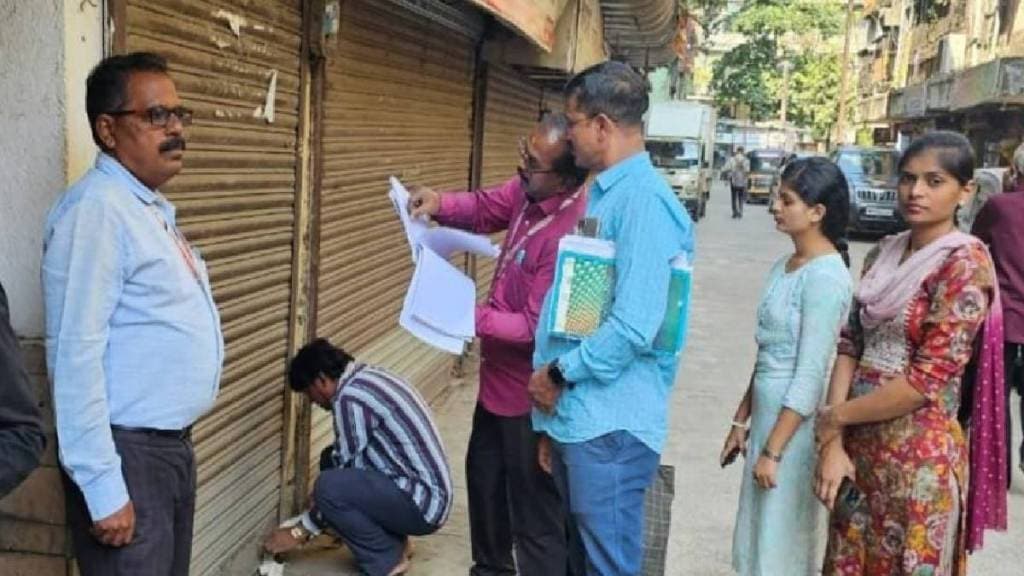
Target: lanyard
column 180, row 242
column 503, row 259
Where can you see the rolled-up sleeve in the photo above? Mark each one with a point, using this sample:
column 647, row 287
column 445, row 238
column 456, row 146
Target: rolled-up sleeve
column 823, row 302
column 647, row 241
column 84, row 267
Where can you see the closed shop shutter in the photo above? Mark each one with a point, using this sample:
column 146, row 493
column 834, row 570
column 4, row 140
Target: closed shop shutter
column 553, row 100
column 235, row 201
column 513, row 106
column 397, row 101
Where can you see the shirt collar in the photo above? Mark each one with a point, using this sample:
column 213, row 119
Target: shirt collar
column 350, row 370
column 605, row 180
column 111, row 166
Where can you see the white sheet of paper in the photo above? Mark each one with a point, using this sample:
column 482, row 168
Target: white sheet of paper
column 446, row 241
column 443, row 297
column 421, row 330
column 414, row 227
column 441, row 239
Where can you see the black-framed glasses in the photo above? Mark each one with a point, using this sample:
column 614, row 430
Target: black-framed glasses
column 529, row 162
column 527, row 172
column 160, row 116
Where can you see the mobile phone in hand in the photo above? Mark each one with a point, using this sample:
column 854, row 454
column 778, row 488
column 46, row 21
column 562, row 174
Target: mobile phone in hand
column 731, row 456
column 848, row 499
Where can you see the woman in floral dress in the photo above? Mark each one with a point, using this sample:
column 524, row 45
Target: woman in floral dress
column 895, row 390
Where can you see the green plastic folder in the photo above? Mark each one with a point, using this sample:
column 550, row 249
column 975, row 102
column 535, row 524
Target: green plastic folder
column 584, row 291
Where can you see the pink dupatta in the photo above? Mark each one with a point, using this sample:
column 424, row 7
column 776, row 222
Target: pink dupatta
column 986, row 484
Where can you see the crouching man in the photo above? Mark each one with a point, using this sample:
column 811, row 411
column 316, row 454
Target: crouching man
column 390, row 477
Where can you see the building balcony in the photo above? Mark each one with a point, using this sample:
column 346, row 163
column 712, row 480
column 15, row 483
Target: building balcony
column 997, row 82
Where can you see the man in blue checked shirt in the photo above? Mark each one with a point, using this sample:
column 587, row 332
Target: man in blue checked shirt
column 602, row 401
column 133, row 338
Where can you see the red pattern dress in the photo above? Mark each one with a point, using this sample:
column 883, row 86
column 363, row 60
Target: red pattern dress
column 913, row 469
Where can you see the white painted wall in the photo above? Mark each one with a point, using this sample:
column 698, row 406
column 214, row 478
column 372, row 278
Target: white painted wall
column 42, row 116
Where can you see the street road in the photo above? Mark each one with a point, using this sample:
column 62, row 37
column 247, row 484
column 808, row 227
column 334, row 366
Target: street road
column 733, row 259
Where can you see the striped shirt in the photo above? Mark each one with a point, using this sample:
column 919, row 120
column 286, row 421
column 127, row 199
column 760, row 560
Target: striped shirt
column 382, row 423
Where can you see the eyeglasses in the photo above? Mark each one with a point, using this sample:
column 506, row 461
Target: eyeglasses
column 572, row 123
column 525, row 173
column 160, row 116
column 529, row 162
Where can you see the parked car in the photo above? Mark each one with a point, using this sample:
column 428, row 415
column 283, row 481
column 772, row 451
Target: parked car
column 798, row 155
column 764, row 173
column 872, row 178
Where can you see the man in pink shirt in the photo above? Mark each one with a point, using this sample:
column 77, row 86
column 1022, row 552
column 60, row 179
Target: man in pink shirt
column 511, row 499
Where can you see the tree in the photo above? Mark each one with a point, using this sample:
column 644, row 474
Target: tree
column 805, row 32
column 814, row 92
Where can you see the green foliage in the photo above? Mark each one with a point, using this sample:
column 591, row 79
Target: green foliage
column 802, row 32
column 743, row 76
column 775, row 18
column 814, row 92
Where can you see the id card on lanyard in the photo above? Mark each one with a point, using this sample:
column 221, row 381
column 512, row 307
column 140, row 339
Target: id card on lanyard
column 184, row 248
column 518, row 249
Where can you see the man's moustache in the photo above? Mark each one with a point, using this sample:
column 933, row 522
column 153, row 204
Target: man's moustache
column 174, row 143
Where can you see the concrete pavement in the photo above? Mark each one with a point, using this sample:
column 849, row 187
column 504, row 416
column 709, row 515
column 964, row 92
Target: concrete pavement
column 734, row 257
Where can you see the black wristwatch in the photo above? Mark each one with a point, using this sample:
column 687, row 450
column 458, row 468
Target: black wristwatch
column 555, row 373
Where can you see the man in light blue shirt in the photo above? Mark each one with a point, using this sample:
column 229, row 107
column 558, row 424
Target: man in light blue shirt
column 133, row 338
column 603, row 401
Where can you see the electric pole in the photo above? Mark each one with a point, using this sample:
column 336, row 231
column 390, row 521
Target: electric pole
column 786, row 66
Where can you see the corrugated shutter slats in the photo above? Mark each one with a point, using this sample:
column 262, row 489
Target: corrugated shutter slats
column 235, row 202
column 398, row 101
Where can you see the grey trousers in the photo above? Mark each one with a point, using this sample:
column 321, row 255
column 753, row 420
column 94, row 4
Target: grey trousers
column 161, row 477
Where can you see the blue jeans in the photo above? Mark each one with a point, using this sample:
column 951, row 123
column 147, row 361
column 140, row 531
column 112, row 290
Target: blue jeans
column 602, row 482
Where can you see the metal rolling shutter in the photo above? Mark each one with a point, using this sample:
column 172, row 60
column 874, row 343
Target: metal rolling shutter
column 397, row 101
column 513, row 105
column 235, row 201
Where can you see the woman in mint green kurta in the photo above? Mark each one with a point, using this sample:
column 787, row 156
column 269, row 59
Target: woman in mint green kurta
column 803, row 306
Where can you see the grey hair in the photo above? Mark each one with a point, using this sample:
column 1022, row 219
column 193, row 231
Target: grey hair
column 611, row 88
column 555, row 126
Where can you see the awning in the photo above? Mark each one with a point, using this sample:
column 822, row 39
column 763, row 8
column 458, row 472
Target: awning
column 641, row 32
column 535, row 20
column 579, row 43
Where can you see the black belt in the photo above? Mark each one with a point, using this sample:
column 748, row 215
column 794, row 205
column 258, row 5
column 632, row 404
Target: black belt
column 182, row 434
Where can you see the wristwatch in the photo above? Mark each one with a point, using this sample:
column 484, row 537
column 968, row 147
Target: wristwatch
column 555, row 373
column 300, row 533
column 774, row 457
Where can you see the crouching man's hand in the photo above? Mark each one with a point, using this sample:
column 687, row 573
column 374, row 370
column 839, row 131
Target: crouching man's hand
column 283, row 540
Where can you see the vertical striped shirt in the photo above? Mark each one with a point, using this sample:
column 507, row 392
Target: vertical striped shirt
column 382, row 423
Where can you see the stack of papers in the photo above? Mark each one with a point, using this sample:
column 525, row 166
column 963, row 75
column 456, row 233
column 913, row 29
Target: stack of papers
column 584, row 292
column 440, row 304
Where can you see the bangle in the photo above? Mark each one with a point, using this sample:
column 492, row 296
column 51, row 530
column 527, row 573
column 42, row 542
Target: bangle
column 738, row 424
column 767, row 453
